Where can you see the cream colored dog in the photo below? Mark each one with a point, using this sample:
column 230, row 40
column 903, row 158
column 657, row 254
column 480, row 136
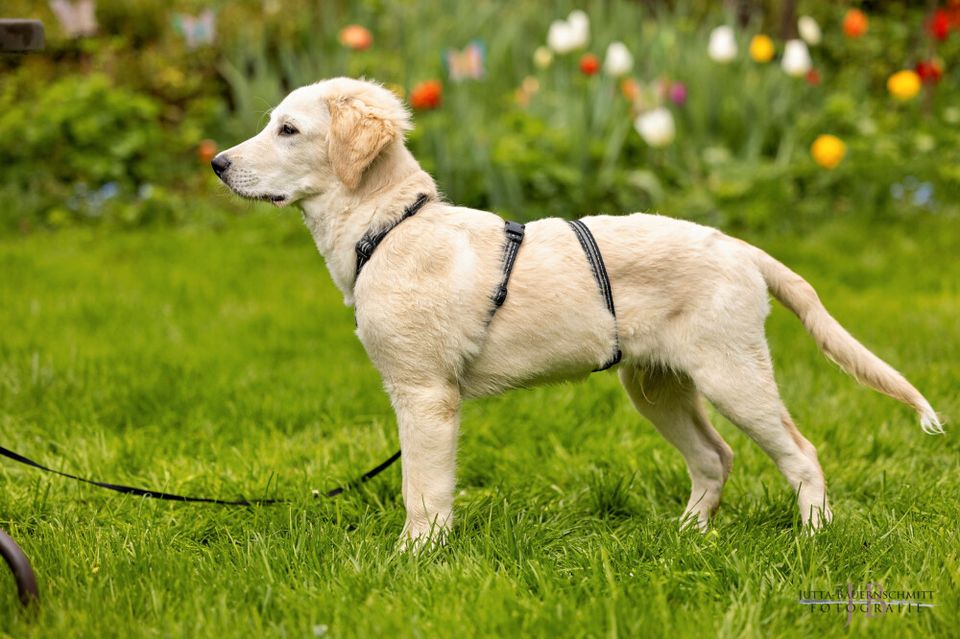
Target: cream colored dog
column 691, row 304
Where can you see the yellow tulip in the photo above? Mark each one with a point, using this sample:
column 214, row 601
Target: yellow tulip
column 828, row 150
column 903, row 85
column 761, row 48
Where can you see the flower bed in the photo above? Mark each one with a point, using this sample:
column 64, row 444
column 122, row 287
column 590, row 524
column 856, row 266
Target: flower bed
column 610, row 107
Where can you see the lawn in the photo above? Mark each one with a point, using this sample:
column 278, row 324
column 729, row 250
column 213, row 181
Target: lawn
column 223, row 363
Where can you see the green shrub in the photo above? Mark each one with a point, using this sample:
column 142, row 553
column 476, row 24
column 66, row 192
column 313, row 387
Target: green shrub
column 83, row 148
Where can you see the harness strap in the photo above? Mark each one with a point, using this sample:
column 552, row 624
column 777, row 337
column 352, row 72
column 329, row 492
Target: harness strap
column 371, row 239
column 592, row 252
column 514, row 233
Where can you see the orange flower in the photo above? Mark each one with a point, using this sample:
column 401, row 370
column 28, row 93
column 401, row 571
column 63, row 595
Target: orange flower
column 630, row 89
column 426, row 95
column 855, row 23
column 206, row 150
column 356, row 37
column 589, row 64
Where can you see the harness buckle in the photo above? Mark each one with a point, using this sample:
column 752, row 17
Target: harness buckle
column 514, row 231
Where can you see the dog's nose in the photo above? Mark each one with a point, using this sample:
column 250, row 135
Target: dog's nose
column 220, row 164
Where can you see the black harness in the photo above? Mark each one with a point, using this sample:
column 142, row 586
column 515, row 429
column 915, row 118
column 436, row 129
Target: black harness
column 514, row 232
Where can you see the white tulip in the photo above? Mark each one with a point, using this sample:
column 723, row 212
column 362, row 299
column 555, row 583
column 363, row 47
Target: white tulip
column 723, row 45
column 560, row 37
column 619, row 60
column 571, row 34
column 796, row 58
column 656, row 127
column 580, row 26
column 809, row 30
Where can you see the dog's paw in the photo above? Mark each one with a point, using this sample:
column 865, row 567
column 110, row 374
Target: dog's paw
column 695, row 521
column 818, row 520
column 416, row 538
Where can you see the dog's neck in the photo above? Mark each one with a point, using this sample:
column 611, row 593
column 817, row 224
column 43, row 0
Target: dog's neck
column 338, row 218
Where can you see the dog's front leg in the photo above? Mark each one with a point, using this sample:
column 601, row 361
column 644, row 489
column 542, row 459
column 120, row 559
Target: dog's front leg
column 428, row 418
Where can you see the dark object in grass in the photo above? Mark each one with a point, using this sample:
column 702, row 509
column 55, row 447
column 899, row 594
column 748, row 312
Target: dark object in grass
column 19, row 36
column 22, row 572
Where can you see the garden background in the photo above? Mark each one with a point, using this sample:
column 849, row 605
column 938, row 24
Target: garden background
column 155, row 329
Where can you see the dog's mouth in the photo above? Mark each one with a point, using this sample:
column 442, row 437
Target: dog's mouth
column 240, row 184
column 276, row 199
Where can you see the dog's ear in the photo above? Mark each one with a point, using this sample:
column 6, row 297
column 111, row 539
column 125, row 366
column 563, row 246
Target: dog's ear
column 360, row 129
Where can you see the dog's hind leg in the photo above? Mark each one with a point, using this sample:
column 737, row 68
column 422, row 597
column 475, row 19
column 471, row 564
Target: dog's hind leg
column 740, row 383
column 428, row 419
column 672, row 403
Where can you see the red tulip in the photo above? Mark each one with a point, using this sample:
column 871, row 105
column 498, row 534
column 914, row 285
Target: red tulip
column 426, row 95
column 939, row 25
column 930, row 71
column 589, row 64
column 813, row 77
column 855, row 23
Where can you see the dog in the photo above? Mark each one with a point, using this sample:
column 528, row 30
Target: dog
column 691, row 303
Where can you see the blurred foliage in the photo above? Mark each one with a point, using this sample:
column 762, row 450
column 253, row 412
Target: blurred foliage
column 108, row 127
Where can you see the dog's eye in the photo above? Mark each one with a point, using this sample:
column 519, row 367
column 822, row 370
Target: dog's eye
column 286, row 129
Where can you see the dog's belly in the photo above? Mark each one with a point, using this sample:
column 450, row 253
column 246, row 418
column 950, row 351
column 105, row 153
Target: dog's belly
column 491, row 374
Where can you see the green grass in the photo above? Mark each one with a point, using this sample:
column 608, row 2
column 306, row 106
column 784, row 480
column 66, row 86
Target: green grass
column 223, row 363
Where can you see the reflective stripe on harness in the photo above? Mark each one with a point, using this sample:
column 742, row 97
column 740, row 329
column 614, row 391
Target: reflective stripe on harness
column 514, row 233
column 592, row 252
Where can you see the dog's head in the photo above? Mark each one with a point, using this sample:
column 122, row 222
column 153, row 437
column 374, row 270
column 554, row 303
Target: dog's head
column 320, row 137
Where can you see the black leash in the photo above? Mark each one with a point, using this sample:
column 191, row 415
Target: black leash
column 592, row 251
column 365, row 248
column 371, row 239
column 18, row 563
column 159, row 494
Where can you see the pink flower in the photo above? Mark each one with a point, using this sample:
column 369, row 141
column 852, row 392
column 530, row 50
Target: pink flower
column 678, row 93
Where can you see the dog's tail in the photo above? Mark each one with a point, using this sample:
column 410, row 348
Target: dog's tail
column 795, row 293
